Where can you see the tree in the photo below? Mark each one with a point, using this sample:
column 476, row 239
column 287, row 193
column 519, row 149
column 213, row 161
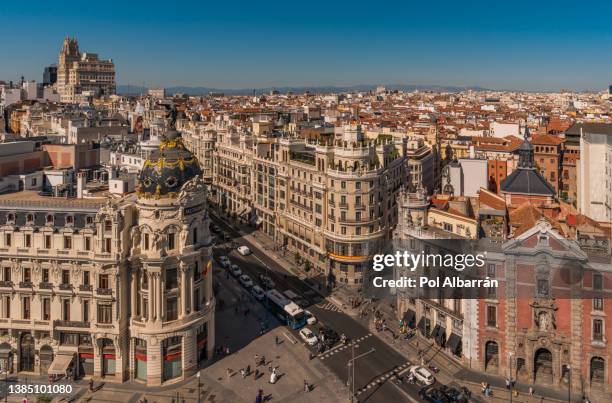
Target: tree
column 298, row 258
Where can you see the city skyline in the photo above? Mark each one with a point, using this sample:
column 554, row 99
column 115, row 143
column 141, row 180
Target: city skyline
column 528, row 48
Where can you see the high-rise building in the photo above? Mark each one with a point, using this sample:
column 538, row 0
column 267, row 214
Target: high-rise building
column 81, row 75
column 50, row 75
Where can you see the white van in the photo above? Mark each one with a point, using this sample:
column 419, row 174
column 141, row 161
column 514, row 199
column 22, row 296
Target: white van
column 422, row 375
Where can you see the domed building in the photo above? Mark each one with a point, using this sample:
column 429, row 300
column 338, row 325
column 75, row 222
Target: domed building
column 172, row 301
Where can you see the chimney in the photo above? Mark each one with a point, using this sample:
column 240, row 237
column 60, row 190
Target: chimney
column 81, row 179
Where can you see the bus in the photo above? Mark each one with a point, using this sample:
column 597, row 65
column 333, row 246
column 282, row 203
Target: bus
column 285, row 309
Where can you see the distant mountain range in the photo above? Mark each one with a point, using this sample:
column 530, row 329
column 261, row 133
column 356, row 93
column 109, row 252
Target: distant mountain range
column 195, row 91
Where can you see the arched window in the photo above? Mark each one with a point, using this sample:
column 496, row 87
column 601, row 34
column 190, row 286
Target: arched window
column 69, row 220
column 10, row 218
column 597, row 371
column 89, row 220
column 30, row 218
column 49, row 219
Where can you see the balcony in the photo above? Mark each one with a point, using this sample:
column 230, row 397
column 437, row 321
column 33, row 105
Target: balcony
column 360, row 206
column 104, row 291
column 85, row 287
column 65, row 287
column 6, row 284
column 26, row 284
column 70, row 323
column 45, row 286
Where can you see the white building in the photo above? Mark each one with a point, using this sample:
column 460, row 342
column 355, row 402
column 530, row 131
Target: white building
column 501, row 130
column 595, row 171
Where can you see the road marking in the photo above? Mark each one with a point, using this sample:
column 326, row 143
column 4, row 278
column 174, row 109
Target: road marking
column 384, row 377
column 330, row 306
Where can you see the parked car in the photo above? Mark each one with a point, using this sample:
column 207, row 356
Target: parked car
column 433, row 395
column 308, row 336
column 235, row 270
column 246, row 281
column 258, row 293
column 244, row 250
column 224, row 261
column 310, row 318
column 328, row 336
column 422, row 374
column 267, row 282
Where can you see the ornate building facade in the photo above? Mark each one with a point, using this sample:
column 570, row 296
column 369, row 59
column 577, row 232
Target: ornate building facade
column 117, row 288
column 81, row 73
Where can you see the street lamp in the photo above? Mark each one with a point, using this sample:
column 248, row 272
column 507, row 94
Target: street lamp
column 351, row 369
column 510, row 375
column 569, row 384
column 198, row 376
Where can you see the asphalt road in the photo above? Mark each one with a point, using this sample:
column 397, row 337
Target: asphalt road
column 374, row 380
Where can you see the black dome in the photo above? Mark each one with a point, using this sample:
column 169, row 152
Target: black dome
column 168, row 168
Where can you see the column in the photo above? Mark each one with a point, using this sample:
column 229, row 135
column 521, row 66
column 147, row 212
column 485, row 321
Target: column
column 184, row 290
column 210, row 337
column 134, row 296
column 150, row 297
column 158, row 299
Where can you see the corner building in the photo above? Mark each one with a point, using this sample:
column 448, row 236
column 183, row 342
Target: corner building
column 115, row 289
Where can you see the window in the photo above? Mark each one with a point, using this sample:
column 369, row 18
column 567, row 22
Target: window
column 598, row 329
column 30, row 219
column 105, row 313
column 491, row 271
column 194, row 236
column 87, row 243
column 67, row 242
column 69, row 220
column 598, row 304
column 45, row 275
column 171, row 241
column 171, row 309
column 86, row 280
column 597, row 281
column 7, row 239
column 27, row 275
column 85, row 310
column 491, row 316
column 448, row 227
column 358, row 231
column 46, row 309
column 343, row 230
column 66, row 309
column 7, row 307
column 89, row 220
column 25, row 308
column 49, row 219
column 108, row 225
column 27, row 240
column 343, row 184
column 103, row 281
column 47, row 241
column 65, row 277
column 107, row 245
column 171, row 279
column 357, row 185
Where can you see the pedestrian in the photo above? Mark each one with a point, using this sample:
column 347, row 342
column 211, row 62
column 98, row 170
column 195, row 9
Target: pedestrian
column 306, row 386
column 243, row 373
column 256, row 374
column 263, row 360
column 508, row 385
column 91, row 384
column 248, row 370
column 256, row 360
column 531, row 391
column 276, row 340
column 229, row 373
column 227, row 351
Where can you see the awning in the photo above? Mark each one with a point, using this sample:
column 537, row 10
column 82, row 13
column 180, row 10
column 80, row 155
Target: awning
column 421, row 325
column 60, row 364
column 435, row 331
column 441, row 336
column 409, row 316
column 454, row 342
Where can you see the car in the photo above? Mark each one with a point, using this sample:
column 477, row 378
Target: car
column 422, row 375
column 258, row 293
column 310, row 318
column 246, row 281
column 224, row 261
column 235, row 270
column 244, row 250
column 267, row 282
column 308, row 336
column 328, row 336
column 433, row 395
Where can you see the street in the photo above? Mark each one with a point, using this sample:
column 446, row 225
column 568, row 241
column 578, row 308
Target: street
column 374, row 373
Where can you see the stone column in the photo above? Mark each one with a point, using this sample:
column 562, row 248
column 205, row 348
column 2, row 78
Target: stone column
column 151, row 294
column 183, row 291
column 210, row 337
column 158, row 299
column 134, row 296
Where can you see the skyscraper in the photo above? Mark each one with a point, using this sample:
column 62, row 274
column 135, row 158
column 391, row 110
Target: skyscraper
column 50, row 75
column 82, row 74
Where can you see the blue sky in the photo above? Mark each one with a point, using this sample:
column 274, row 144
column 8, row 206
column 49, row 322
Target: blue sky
column 249, row 44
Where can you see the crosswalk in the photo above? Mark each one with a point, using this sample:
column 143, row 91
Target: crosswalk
column 330, row 306
column 341, row 347
column 384, row 377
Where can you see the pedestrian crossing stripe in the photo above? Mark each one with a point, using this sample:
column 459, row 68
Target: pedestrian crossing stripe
column 383, row 378
column 339, row 348
column 330, row 306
